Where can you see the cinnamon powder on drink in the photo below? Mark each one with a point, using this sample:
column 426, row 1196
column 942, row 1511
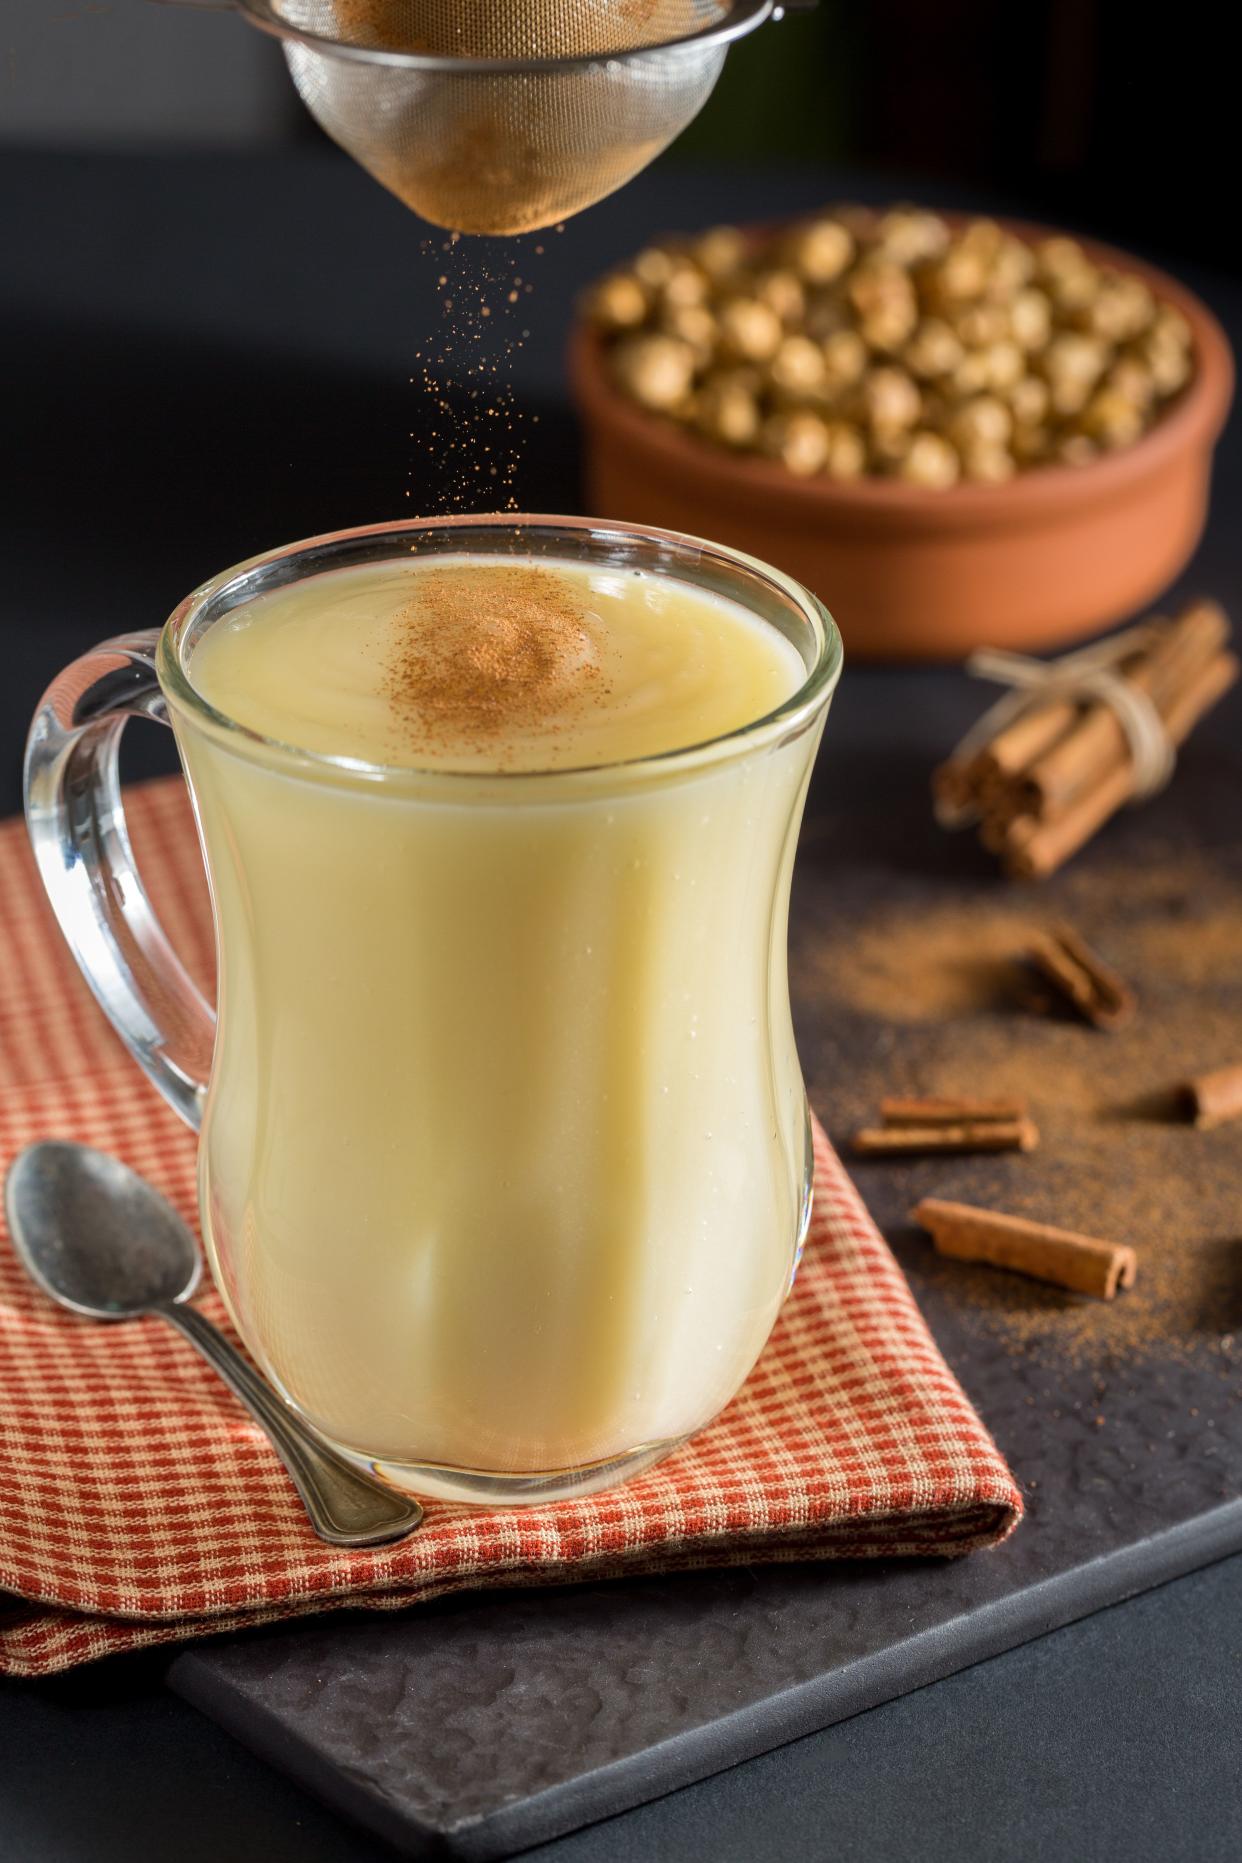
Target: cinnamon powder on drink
column 488, row 652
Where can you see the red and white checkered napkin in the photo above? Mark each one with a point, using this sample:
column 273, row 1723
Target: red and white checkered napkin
column 139, row 1504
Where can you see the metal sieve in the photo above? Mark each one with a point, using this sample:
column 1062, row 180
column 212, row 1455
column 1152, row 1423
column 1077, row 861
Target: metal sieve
column 499, row 116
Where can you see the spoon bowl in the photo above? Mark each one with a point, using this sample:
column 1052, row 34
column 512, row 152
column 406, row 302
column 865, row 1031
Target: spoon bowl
column 95, row 1235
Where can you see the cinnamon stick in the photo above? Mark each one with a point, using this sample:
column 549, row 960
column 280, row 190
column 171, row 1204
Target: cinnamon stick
column 1212, row 1099
column 1033, row 848
column 996, row 825
column 948, row 1110
column 1031, row 734
column 1097, row 743
column 1081, row 1263
column 980, row 1135
column 1081, row 977
column 955, row 791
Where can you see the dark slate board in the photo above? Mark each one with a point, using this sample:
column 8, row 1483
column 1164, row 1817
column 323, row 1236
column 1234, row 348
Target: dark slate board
column 477, row 1726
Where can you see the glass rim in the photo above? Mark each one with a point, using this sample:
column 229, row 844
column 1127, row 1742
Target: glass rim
column 739, row 18
column 790, row 717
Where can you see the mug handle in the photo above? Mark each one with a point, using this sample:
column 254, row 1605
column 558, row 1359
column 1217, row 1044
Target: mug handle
column 76, row 820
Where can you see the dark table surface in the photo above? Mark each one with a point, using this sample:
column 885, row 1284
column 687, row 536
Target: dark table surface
column 210, row 354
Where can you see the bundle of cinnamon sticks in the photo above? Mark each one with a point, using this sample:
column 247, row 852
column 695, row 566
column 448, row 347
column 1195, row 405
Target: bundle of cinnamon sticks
column 1047, row 780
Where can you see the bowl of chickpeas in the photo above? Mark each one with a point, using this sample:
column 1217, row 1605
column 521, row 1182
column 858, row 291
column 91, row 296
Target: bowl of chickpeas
column 956, row 432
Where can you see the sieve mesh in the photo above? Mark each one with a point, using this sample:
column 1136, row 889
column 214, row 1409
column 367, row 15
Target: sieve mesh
column 489, row 151
column 528, row 29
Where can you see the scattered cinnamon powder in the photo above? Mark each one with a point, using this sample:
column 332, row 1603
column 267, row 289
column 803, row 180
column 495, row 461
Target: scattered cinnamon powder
column 921, row 996
column 487, row 653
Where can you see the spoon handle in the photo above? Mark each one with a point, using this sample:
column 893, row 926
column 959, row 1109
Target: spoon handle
column 346, row 1507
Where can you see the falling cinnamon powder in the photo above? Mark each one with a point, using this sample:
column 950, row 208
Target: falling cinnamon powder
column 488, row 654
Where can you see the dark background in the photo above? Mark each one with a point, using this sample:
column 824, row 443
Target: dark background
column 1086, row 111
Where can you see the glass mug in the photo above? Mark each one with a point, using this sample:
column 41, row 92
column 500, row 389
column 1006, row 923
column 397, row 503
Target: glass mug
column 505, row 1159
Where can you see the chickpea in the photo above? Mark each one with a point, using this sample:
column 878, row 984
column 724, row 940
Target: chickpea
column 686, row 285
column 656, row 371
column 1111, row 419
column 750, row 331
column 1073, row 358
column 1169, row 325
column 654, row 267
column 890, row 399
column 908, row 235
column 1030, row 318
column 721, row 253
column 1029, row 401
column 820, row 251
column 958, row 278
column 934, row 350
column 845, row 359
column 782, row 291
column 888, row 328
column 1059, row 254
column 1012, row 268
column 989, row 465
column 980, row 325
column 882, row 294
column 930, row 461
column 983, row 422
column 799, row 440
column 798, row 367
column 847, row 451
column 1170, row 368
column 1132, row 378
column 982, row 236
column 1075, row 292
column 618, row 303
column 696, row 326
column 728, row 408
column 1122, row 308
column 1004, row 364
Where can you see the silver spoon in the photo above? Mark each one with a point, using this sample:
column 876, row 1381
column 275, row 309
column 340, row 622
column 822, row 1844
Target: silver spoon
column 101, row 1241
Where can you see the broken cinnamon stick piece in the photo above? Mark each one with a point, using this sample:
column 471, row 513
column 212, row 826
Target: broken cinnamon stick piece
column 948, row 1110
column 1080, row 1263
column 1212, row 1099
column 981, row 1135
column 1081, row 977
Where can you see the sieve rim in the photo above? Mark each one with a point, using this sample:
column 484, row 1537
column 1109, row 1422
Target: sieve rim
column 741, row 17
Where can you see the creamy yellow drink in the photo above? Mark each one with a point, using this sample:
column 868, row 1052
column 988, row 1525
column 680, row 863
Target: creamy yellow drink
column 478, row 665
column 505, row 1158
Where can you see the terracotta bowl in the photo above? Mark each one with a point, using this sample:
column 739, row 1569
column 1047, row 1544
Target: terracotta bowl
column 914, row 574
